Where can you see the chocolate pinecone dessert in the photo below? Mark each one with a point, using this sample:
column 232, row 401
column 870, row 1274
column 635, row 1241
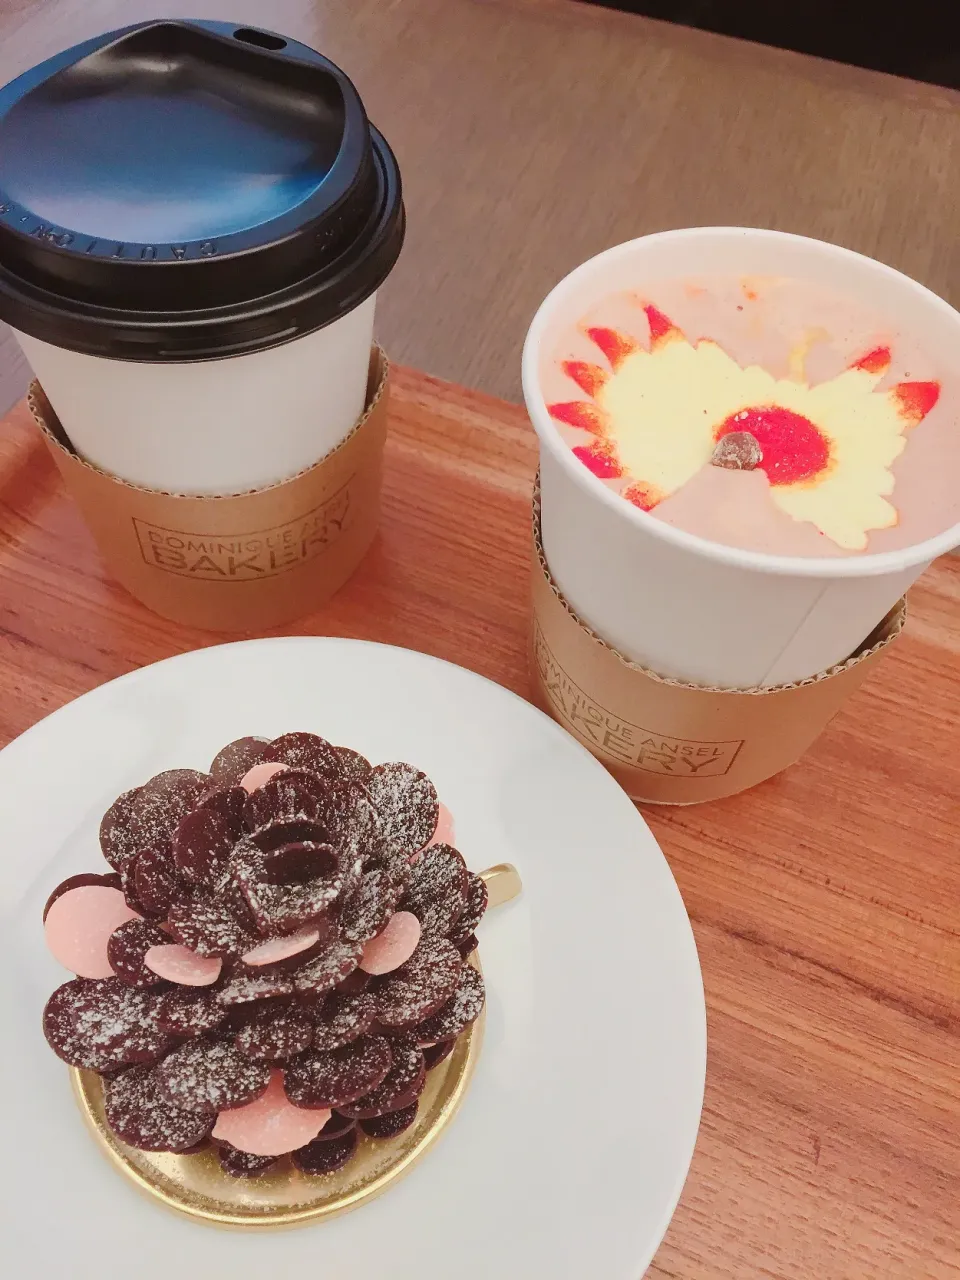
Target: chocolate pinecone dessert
column 291, row 959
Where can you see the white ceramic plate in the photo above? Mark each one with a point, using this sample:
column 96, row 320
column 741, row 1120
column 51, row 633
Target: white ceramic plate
column 568, row 1156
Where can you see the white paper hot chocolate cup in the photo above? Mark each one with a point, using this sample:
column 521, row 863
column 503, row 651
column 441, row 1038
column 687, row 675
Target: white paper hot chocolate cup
column 689, row 608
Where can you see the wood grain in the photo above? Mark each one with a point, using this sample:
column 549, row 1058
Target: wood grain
column 824, row 902
column 534, row 133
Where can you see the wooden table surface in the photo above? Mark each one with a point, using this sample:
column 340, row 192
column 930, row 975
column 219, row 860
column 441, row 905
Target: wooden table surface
column 825, row 902
column 534, row 133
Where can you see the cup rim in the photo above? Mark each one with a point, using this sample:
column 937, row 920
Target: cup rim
column 870, row 564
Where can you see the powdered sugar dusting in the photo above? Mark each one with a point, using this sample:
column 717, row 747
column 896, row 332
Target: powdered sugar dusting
column 463, row 1007
column 329, row 968
column 241, row 1164
column 421, row 986
column 307, row 751
column 407, row 803
column 275, row 1034
column 206, row 925
column 437, row 890
column 326, row 1155
column 210, row 1075
column 333, row 1079
column 101, row 1023
column 389, row 1125
column 399, row 1088
column 368, row 908
column 343, row 1019
column 140, row 1114
column 269, row 898
column 159, row 805
column 477, row 899
column 246, row 985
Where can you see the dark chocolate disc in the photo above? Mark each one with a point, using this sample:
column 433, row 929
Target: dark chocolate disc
column 400, row 869
column 109, row 880
column 247, row 984
column 154, row 879
column 369, row 907
column 307, row 751
column 438, row 1053
column 190, row 1011
column 468, row 947
column 328, row 968
column 291, row 796
column 241, row 1164
column 62, row 1034
column 321, row 1156
column 477, row 899
column 204, row 839
column 162, row 802
column 197, row 1148
column 323, row 1078
column 312, row 1001
column 276, row 835
column 226, row 800
column 399, row 1088
column 274, row 1034
column 298, row 862
column 211, row 1075
column 102, row 1023
column 228, row 893
column 419, row 988
column 353, row 766
column 116, row 839
column 463, row 1007
column 238, row 758
column 354, row 983
column 206, row 925
column 389, row 1125
column 127, row 947
column 353, row 821
column 128, row 884
column 407, row 802
column 343, row 1019
column 139, row 1113
column 335, row 1127
column 437, row 889
column 280, row 908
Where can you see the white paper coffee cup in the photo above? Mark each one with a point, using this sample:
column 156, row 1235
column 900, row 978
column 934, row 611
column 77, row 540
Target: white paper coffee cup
column 217, row 427
column 686, row 607
column 195, row 219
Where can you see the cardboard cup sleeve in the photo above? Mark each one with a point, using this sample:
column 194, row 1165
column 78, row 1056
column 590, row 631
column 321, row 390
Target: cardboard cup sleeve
column 244, row 561
column 672, row 743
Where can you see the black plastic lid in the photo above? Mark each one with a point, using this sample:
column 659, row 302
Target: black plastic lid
column 184, row 190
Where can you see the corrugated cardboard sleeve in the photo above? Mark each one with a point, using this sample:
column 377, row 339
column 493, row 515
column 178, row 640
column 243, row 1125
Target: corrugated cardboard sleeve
column 674, row 743
column 245, row 561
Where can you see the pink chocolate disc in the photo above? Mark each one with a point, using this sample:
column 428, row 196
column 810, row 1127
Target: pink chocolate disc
column 180, row 964
column 259, row 774
column 276, row 949
column 79, row 925
column 394, row 946
column 444, row 833
column 270, row 1126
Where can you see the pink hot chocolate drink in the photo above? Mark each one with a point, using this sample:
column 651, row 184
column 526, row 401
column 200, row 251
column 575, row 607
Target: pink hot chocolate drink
column 766, row 413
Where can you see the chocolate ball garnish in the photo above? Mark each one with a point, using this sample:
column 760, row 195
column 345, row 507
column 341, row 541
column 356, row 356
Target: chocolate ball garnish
column 738, row 451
